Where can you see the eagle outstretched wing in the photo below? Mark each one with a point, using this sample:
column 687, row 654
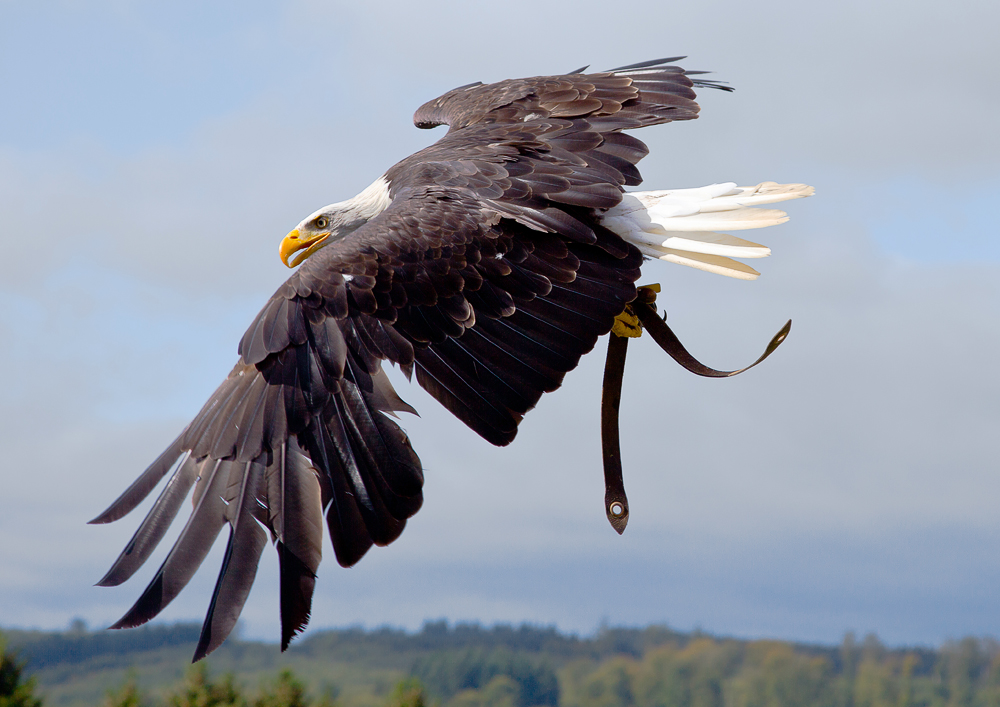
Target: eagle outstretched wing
column 647, row 93
column 489, row 275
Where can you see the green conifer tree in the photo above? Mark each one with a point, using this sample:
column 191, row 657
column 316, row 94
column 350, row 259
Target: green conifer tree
column 408, row 693
column 200, row 691
column 128, row 695
column 15, row 689
column 285, row 691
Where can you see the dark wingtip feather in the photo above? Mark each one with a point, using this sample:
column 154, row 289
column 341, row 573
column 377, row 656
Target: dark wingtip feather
column 706, row 83
column 108, row 580
column 239, row 566
column 205, row 643
column 650, row 63
column 297, row 585
column 146, row 606
column 141, row 487
column 153, row 527
column 656, row 63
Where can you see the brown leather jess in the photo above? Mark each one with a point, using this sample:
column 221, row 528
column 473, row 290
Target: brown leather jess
column 639, row 315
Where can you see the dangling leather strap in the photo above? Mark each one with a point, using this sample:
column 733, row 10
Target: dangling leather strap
column 643, row 309
column 668, row 341
column 615, row 500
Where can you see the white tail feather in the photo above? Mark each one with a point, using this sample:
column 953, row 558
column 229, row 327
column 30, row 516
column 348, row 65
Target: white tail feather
column 679, row 225
column 763, row 193
column 715, row 244
column 739, row 219
column 715, row 264
column 711, row 243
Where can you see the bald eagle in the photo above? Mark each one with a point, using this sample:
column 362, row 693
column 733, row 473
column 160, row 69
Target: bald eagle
column 486, row 264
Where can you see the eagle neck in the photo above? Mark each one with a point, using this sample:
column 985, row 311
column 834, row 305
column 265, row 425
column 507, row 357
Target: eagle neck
column 372, row 201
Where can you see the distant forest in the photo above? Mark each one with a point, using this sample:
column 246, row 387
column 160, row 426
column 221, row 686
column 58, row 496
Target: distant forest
column 501, row 666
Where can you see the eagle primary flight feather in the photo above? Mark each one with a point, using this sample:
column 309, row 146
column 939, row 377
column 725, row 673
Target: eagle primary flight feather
column 487, row 264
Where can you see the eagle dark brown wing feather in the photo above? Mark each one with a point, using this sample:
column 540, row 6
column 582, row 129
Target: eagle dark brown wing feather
column 646, row 93
column 489, row 275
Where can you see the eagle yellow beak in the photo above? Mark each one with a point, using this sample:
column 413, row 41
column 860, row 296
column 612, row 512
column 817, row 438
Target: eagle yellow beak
column 294, row 242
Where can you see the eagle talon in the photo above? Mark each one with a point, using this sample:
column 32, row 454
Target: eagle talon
column 647, row 293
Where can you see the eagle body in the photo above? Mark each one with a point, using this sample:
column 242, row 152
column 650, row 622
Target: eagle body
column 486, row 265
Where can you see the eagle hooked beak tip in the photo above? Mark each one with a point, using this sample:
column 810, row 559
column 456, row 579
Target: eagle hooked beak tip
column 294, row 242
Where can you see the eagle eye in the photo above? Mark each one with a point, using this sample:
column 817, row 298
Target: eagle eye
column 322, row 222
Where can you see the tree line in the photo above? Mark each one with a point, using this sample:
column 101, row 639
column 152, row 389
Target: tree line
column 470, row 666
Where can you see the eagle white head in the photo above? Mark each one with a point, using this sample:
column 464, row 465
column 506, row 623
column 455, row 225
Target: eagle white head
column 332, row 223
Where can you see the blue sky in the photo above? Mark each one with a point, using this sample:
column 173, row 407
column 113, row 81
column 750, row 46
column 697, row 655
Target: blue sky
column 151, row 159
